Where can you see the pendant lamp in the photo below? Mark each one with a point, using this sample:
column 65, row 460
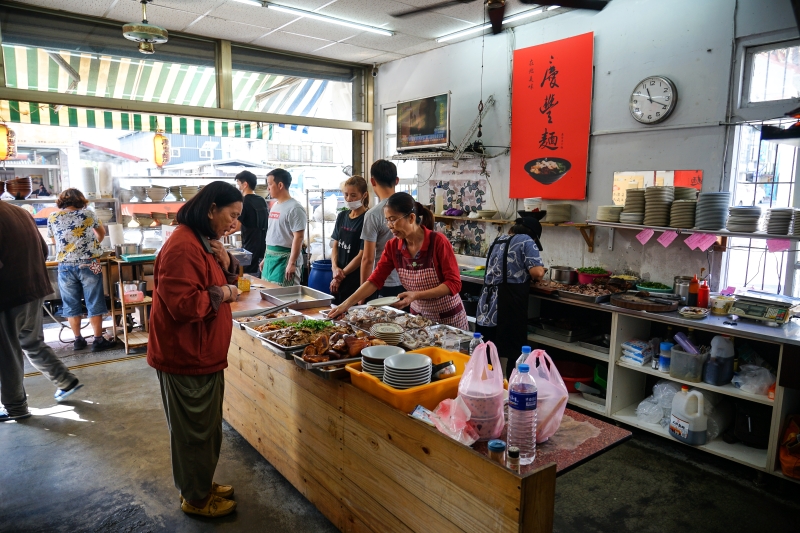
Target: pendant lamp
column 8, row 143
column 161, row 150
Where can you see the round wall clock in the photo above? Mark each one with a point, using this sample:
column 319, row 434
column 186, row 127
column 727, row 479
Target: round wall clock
column 653, row 99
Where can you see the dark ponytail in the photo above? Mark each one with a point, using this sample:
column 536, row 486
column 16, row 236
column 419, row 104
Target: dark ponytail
column 402, row 202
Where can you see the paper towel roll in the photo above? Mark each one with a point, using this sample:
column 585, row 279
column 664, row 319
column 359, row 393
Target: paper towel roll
column 115, row 234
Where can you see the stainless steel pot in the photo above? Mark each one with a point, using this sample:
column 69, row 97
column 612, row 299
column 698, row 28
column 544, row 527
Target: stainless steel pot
column 680, row 287
column 564, row 274
column 128, row 249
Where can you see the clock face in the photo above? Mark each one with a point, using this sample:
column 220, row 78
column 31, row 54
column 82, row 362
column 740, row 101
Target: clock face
column 653, row 100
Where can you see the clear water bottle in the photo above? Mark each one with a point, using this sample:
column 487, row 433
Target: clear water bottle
column 477, row 339
column 522, row 400
column 526, row 351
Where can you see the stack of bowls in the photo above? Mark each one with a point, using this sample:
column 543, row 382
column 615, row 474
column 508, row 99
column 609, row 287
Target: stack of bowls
column 19, row 188
column 159, row 217
column 175, row 191
column 139, row 192
column 532, row 204
column 125, row 196
column 388, row 332
column 261, row 190
column 779, row 220
column 633, row 212
column 157, row 193
column 143, row 220
column 171, row 216
column 126, row 219
column 104, row 214
column 685, row 193
column 372, row 358
column 558, row 213
column 712, row 210
column 657, row 203
column 682, row 214
column 406, row 370
column 609, row 213
column 2, row 188
column 744, row 219
column 189, row 191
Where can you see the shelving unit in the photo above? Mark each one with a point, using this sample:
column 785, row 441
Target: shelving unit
column 448, row 220
column 587, row 231
column 571, row 347
column 133, row 339
column 681, row 231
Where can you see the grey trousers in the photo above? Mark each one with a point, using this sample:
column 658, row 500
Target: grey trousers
column 21, row 331
column 193, row 405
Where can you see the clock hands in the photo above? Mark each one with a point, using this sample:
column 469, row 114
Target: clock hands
column 648, row 95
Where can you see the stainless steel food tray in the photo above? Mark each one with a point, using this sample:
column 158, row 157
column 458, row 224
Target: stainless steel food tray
column 572, row 337
column 306, row 296
column 583, row 297
column 339, row 372
column 249, row 327
column 256, row 312
column 594, row 344
column 287, row 352
column 463, row 345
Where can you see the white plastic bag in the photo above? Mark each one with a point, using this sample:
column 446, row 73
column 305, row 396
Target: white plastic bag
column 552, row 393
column 754, row 379
column 451, row 417
column 649, row 411
column 481, row 389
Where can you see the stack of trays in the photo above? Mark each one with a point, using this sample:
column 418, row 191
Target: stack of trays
column 682, row 214
column 406, row 370
column 558, row 213
column 685, row 193
column 189, row 191
column 712, row 210
column 633, row 212
column 779, row 220
column 609, row 213
column 372, row 358
column 657, row 202
column 744, row 219
column 261, row 190
column 175, row 191
column 388, row 332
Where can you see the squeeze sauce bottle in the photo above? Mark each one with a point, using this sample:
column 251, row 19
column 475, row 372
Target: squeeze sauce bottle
column 694, row 287
column 703, row 292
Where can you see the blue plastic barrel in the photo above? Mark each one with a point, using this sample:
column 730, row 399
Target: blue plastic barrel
column 321, row 276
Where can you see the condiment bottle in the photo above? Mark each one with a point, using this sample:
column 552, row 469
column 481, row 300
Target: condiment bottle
column 694, row 287
column 497, row 451
column 703, row 294
column 513, row 458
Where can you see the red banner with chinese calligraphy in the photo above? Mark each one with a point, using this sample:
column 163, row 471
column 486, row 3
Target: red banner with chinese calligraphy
column 550, row 119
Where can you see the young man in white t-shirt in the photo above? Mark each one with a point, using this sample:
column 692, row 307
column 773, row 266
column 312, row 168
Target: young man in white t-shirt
column 287, row 225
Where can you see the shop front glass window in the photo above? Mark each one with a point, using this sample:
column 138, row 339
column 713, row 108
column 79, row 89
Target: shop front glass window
column 775, row 73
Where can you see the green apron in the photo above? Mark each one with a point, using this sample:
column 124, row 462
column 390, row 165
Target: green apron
column 275, row 260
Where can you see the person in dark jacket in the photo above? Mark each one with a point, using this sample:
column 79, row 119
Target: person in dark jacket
column 190, row 333
column 24, row 282
column 253, row 221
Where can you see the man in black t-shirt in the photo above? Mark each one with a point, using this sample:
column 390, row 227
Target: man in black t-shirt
column 253, row 220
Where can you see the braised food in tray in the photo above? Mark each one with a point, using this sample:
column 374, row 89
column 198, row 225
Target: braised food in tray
column 305, row 332
column 367, row 317
column 587, row 290
column 277, row 314
column 338, row 346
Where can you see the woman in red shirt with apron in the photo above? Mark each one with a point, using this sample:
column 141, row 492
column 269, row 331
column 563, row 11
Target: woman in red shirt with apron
column 425, row 262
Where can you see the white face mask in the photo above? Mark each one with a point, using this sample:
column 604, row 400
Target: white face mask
column 354, row 205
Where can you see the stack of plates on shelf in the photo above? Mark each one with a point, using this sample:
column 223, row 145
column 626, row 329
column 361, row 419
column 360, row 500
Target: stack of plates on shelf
column 175, row 191
column 372, row 358
column 157, row 193
column 406, row 370
column 143, row 220
column 657, row 202
column 609, row 213
column 682, row 213
column 261, row 190
column 558, row 213
column 712, row 210
column 388, row 332
column 532, row 204
column 139, row 192
column 685, row 193
column 189, row 191
column 744, row 219
column 125, row 196
column 631, row 218
column 103, row 214
column 779, row 220
column 796, row 225
column 634, row 201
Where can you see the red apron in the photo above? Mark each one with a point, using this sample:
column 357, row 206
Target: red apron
column 419, row 274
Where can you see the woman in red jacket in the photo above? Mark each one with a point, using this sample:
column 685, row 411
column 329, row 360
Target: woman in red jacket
column 189, row 338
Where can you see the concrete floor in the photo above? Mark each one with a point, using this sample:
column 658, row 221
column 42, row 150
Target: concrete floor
column 100, row 463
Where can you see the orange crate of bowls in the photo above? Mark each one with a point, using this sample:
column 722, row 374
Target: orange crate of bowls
column 426, row 395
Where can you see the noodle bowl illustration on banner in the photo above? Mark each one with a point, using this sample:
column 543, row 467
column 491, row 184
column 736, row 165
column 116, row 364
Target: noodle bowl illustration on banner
column 547, row 170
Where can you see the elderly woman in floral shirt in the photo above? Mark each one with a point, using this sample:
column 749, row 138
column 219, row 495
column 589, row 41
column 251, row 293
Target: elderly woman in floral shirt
column 77, row 234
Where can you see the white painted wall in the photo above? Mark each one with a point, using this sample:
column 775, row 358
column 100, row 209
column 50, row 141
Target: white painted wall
column 690, row 41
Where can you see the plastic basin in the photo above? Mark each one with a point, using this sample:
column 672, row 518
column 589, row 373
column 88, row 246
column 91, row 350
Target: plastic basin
column 587, row 279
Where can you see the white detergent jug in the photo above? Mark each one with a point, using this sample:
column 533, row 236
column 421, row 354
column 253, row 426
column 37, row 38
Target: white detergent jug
column 688, row 422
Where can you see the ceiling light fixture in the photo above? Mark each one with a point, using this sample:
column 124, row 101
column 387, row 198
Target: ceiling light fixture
column 481, row 27
column 254, row 3
column 332, row 20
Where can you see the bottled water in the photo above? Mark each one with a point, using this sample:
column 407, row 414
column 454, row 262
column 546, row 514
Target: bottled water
column 526, row 351
column 477, row 339
column 522, row 396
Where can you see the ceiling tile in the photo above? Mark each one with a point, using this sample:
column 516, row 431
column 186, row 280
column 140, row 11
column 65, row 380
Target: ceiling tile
column 371, row 12
column 95, row 8
column 245, row 14
column 346, row 52
column 471, row 12
column 233, row 31
column 419, row 48
column 322, row 30
column 280, row 40
column 387, row 44
column 192, row 6
column 172, row 19
column 384, row 58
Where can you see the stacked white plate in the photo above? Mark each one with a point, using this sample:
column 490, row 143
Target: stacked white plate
column 175, row 191
column 744, row 219
column 388, row 332
column 685, row 193
column 157, row 193
column 657, row 203
column 189, row 191
column 682, row 214
column 261, row 190
column 634, row 201
column 609, row 213
column 373, row 357
column 779, row 220
column 406, row 370
column 532, row 204
column 712, row 210
column 558, row 213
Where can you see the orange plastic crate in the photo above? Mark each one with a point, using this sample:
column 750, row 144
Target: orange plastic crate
column 429, row 395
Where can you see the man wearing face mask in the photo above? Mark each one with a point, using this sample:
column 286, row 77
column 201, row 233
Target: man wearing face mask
column 253, row 221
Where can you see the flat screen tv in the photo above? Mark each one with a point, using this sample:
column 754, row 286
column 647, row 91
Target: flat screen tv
column 424, row 123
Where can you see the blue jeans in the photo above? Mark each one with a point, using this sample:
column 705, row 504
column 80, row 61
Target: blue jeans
column 76, row 281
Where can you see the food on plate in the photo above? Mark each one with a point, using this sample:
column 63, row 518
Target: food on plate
column 654, row 285
column 592, row 270
column 544, row 167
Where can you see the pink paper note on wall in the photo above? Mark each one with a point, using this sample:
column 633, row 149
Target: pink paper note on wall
column 778, row 245
column 645, row 235
column 691, row 242
column 705, row 241
column 666, row 238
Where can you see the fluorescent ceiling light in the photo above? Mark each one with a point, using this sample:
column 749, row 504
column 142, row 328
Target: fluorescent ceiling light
column 332, row 20
column 552, row 8
column 255, row 3
column 481, row 27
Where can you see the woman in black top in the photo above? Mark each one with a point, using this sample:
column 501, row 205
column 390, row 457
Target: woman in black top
column 347, row 243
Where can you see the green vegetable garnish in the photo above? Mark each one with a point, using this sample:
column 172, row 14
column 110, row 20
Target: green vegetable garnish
column 592, row 270
column 316, row 325
column 653, row 285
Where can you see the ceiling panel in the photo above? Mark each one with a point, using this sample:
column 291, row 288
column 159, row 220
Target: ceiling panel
column 346, row 52
column 245, row 14
column 193, row 6
column 172, row 19
column 95, row 8
column 419, row 48
column 371, row 12
column 281, row 40
column 233, row 31
column 387, row 44
column 322, row 30
column 384, row 58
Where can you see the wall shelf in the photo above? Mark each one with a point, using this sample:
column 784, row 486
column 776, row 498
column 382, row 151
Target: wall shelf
column 586, row 228
column 434, row 156
column 568, row 347
column 682, row 231
column 448, row 220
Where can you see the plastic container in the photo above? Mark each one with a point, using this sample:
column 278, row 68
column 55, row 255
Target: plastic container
column 497, row 451
column 694, row 286
column 573, row 373
column 587, row 279
column 321, row 275
column 665, row 356
column 522, row 404
column 688, row 422
column 526, row 351
column 718, row 369
column 686, row 366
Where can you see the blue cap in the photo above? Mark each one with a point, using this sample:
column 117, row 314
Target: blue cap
column 497, row 445
column 666, row 346
column 476, row 335
column 526, row 349
column 524, row 368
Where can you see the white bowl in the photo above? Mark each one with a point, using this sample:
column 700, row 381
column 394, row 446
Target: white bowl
column 380, row 352
column 407, row 361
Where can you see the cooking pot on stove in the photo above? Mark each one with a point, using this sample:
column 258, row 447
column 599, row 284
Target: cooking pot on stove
column 564, row 274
